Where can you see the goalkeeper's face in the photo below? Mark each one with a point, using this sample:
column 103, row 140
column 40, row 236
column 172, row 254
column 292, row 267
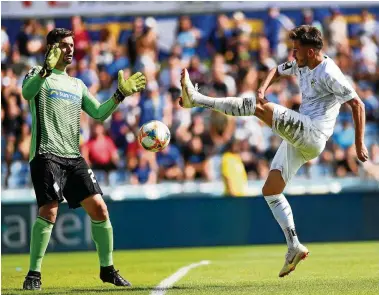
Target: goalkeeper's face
column 67, row 47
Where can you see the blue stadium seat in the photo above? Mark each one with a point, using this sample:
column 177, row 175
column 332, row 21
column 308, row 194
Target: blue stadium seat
column 4, row 171
column 118, row 177
column 101, row 176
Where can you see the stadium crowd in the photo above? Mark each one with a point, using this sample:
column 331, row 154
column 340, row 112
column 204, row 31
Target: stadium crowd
column 199, row 136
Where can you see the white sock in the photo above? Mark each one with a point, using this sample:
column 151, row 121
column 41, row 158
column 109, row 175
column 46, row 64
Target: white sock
column 235, row 106
column 283, row 215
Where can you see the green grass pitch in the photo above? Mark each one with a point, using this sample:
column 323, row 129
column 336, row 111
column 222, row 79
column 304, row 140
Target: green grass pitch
column 332, row 268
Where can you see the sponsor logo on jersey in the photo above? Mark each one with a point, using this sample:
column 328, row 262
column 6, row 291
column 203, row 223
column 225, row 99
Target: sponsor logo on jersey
column 59, row 94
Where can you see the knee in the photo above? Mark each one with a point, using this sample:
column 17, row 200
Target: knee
column 100, row 211
column 266, row 190
column 49, row 212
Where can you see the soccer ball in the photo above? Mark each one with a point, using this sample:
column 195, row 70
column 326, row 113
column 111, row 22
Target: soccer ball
column 154, row 136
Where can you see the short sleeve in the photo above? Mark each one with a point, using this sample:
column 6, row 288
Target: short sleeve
column 338, row 84
column 288, row 68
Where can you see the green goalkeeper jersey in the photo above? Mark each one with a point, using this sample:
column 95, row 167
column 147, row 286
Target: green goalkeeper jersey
column 55, row 103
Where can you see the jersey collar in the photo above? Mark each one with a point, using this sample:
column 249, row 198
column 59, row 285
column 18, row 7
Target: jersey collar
column 58, row 72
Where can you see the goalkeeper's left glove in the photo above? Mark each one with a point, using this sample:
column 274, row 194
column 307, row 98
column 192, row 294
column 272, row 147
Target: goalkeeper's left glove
column 135, row 83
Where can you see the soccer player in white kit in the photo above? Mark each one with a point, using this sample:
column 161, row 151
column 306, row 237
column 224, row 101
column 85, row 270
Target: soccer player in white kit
column 324, row 89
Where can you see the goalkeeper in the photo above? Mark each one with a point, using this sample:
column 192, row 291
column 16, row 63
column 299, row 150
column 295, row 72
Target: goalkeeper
column 57, row 168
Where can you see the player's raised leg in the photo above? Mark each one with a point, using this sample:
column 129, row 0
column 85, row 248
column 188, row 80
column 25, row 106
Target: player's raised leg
column 102, row 235
column 234, row 106
column 40, row 237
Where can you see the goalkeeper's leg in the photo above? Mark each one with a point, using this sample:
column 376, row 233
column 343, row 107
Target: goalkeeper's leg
column 40, row 237
column 102, row 235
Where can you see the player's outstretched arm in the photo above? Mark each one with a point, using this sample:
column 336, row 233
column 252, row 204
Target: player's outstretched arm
column 37, row 75
column 286, row 69
column 101, row 112
column 272, row 76
column 359, row 117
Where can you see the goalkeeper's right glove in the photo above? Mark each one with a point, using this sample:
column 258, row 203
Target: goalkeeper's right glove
column 51, row 59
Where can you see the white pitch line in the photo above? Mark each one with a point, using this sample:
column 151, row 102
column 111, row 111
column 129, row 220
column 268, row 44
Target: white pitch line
column 171, row 280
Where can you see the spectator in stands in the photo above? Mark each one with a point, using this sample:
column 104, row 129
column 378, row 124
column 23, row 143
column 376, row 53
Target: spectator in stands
column 24, row 142
column 196, row 164
column 187, row 37
column 223, row 84
column 277, row 26
column 137, row 31
column 308, row 19
column 146, row 169
column 118, row 130
column 370, row 100
column 248, row 157
column 346, row 136
column 346, row 162
column 221, row 130
column 219, row 38
column 120, row 62
column 365, row 57
column 147, row 48
column 181, row 121
column 82, row 38
column 30, row 43
column 170, row 163
column 102, row 51
column 88, row 75
column 336, row 31
column 154, row 105
column 170, row 76
column 197, row 71
column 233, row 171
column 5, row 46
column 241, row 26
column 368, row 24
column 100, row 151
column 105, row 86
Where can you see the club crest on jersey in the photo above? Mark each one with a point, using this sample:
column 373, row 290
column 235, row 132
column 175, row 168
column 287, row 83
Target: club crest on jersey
column 286, row 66
column 313, row 83
column 59, row 94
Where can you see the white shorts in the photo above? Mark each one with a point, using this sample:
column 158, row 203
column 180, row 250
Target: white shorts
column 302, row 141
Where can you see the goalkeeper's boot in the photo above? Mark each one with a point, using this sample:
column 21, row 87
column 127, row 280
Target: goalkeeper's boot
column 293, row 257
column 109, row 275
column 32, row 281
column 188, row 90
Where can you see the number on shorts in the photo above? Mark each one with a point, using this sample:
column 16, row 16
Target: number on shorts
column 90, row 172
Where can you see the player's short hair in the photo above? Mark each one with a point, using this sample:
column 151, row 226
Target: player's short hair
column 57, row 34
column 307, row 35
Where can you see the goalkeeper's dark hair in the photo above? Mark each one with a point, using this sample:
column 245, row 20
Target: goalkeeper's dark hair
column 307, row 35
column 56, row 35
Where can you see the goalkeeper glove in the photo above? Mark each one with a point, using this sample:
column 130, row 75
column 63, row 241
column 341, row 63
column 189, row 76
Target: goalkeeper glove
column 135, row 83
column 51, row 59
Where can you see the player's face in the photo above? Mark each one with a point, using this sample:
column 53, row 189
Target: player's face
column 67, row 47
column 300, row 53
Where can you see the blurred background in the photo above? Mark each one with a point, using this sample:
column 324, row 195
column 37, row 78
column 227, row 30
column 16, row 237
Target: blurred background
column 228, row 48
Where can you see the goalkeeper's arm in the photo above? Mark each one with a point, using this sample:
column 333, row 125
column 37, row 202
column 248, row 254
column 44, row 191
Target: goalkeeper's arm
column 32, row 83
column 126, row 88
column 36, row 77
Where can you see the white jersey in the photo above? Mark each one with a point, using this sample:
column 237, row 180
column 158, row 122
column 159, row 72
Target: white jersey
column 323, row 91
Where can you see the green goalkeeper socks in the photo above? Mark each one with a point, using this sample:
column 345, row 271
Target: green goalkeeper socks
column 41, row 233
column 102, row 235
